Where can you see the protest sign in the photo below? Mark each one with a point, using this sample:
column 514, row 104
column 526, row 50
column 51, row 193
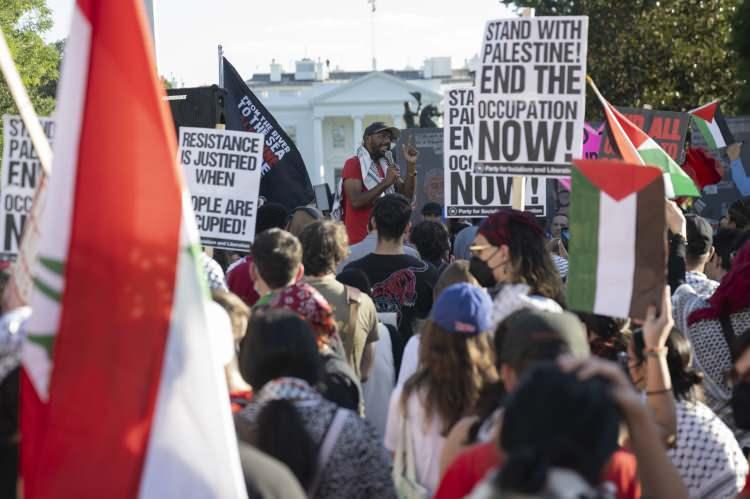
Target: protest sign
column 223, row 171
column 429, row 186
column 669, row 130
column 466, row 193
column 530, row 99
column 20, row 174
column 592, row 140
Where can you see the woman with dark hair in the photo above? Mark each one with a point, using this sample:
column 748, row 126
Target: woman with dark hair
column 608, row 337
column 331, row 451
column 561, row 427
column 705, row 453
column 567, row 453
column 455, row 362
column 510, row 248
column 340, row 383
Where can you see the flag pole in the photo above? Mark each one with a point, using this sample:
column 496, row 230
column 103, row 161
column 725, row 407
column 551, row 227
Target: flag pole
column 518, row 189
column 18, row 291
column 25, row 107
column 221, row 67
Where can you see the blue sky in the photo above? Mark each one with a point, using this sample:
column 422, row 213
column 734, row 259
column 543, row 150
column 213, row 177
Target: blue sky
column 253, row 33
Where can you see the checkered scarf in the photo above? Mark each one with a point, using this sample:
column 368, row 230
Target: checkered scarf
column 285, row 388
column 370, row 178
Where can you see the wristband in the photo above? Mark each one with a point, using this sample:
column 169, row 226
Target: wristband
column 656, row 351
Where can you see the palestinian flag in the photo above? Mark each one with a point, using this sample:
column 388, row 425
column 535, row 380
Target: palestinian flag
column 712, row 125
column 636, row 147
column 616, row 218
column 122, row 394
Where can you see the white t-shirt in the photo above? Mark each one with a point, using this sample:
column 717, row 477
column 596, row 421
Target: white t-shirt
column 425, row 435
column 379, row 386
column 409, row 359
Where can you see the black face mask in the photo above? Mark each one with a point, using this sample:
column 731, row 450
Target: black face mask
column 741, row 405
column 482, row 272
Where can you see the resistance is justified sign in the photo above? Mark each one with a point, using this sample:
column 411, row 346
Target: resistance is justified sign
column 223, row 171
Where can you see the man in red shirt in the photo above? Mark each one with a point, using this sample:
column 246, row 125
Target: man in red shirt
column 371, row 173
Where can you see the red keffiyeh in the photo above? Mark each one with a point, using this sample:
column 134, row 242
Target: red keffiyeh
column 733, row 294
column 309, row 304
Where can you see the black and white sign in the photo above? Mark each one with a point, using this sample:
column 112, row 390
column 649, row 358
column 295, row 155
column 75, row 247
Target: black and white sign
column 530, row 96
column 20, row 174
column 467, row 194
column 223, row 170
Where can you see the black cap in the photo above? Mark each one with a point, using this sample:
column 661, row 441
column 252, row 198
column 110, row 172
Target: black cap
column 700, row 235
column 379, row 126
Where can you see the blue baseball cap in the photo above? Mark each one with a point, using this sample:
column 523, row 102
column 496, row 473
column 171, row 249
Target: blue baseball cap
column 463, row 308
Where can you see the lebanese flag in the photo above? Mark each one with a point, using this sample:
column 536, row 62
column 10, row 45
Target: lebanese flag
column 617, row 255
column 123, row 395
column 712, row 125
column 637, row 148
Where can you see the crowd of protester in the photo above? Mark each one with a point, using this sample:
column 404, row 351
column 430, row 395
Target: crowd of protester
column 439, row 360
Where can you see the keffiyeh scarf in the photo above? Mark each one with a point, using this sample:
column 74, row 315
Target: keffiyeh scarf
column 370, row 179
column 291, row 389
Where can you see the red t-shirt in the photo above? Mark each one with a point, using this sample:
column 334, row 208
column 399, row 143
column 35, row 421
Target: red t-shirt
column 471, row 466
column 240, row 283
column 356, row 220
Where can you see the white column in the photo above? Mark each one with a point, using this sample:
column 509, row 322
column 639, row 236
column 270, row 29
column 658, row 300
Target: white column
column 318, row 170
column 357, row 131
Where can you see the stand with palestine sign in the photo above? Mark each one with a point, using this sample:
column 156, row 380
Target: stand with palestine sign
column 21, row 173
column 530, row 97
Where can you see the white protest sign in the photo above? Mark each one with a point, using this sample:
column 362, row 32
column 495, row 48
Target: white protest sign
column 530, row 96
column 21, row 172
column 467, row 194
column 222, row 169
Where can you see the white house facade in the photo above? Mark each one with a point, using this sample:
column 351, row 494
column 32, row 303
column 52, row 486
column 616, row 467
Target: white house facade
column 325, row 113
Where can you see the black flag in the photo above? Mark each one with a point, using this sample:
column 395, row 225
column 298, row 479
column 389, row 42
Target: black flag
column 285, row 179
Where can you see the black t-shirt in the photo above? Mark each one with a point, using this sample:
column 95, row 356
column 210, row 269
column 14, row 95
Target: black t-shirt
column 401, row 284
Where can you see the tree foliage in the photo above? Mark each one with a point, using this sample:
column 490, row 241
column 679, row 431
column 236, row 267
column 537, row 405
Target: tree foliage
column 742, row 45
column 670, row 54
column 23, row 22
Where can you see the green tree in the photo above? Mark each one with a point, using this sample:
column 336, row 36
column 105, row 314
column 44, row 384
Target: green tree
column 670, row 54
column 742, row 45
column 23, row 22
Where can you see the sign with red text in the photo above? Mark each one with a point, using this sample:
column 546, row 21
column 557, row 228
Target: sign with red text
column 669, row 129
